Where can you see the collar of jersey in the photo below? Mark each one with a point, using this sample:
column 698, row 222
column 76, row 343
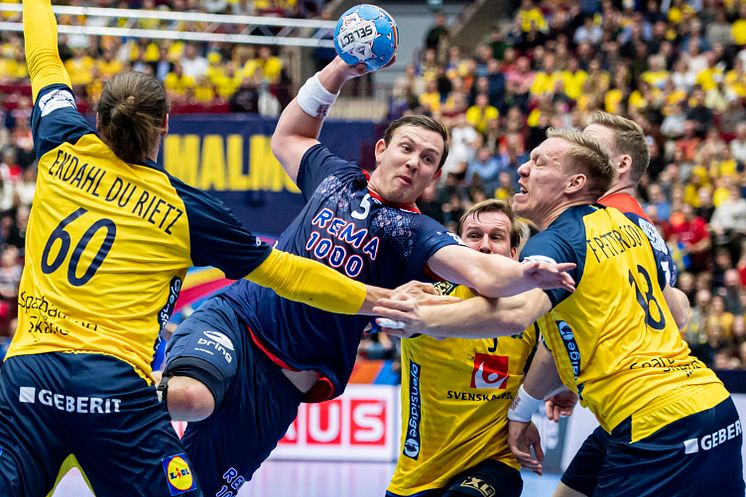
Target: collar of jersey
column 153, row 164
column 405, row 207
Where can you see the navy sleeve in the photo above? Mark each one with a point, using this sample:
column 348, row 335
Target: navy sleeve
column 56, row 120
column 217, row 237
column 430, row 237
column 667, row 270
column 318, row 163
column 550, row 246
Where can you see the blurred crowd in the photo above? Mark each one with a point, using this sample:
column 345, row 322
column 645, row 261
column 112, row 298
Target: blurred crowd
column 676, row 67
column 199, row 77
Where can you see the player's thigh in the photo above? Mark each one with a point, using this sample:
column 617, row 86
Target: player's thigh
column 581, row 476
column 230, row 445
column 134, row 450
column 563, row 490
column 207, row 347
column 690, row 457
column 32, row 428
column 488, row 478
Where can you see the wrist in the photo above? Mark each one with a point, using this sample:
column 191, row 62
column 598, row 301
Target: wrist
column 314, row 98
column 523, row 407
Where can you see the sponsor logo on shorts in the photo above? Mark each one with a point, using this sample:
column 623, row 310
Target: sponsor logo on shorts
column 412, row 440
column 179, row 474
column 712, row 440
column 67, row 403
column 480, row 486
column 490, row 371
column 217, row 341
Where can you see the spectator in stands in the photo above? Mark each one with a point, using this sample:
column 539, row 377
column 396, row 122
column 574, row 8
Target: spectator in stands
column 193, row 65
column 479, row 114
column 436, row 37
column 485, row 167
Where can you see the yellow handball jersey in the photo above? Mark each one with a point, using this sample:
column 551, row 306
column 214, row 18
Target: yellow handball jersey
column 455, row 398
column 614, row 339
column 108, row 243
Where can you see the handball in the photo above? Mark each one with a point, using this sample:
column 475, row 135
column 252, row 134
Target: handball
column 366, row 34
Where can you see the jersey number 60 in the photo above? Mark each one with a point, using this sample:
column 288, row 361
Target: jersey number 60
column 63, row 236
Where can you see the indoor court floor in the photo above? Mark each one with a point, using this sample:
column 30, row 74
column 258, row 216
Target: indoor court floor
column 319, row 479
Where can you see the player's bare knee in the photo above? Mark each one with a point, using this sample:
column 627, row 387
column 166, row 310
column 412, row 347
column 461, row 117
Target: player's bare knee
column 563, row 490
column 189, row 399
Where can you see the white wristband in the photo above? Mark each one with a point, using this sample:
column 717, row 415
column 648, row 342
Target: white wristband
column 314, row 99
column 524, row 405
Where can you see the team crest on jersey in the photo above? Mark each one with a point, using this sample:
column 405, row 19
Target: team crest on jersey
column 179, row 474
column 444, row 287
column 490, row 371
column 480, row 486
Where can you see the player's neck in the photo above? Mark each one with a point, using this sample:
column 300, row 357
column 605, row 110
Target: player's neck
column 552, row 215
column 620, row 189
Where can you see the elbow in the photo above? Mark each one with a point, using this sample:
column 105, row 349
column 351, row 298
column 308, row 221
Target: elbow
column 487, row 287
column 681, row 318
column 276, row 144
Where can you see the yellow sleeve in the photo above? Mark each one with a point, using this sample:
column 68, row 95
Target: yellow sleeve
column 310, row 282
column 40, row 36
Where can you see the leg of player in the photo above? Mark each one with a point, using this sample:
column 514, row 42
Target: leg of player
column 486, row 478
column 188, row 399
column 580, row 479
column 563, row 490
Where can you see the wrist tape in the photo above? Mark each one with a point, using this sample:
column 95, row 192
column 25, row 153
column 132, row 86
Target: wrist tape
column 524, row 405
column 314, row 99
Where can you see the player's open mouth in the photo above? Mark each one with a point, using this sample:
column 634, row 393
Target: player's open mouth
column 405, row 180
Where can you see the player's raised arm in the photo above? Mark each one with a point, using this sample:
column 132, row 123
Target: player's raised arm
column 300, row 123
column 40, row 36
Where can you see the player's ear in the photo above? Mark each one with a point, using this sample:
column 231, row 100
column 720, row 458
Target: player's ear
column 437, row 175
column 164, row 126
column 379, row 149
column 576, row 182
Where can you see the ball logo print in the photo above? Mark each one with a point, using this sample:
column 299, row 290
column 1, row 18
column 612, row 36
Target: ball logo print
column 366, row 34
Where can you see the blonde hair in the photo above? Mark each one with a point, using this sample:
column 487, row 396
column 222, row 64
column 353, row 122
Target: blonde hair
column 587, row 156
column 629, row 138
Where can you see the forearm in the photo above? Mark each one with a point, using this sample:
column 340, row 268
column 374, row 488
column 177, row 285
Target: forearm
column 678, row 303
column 312, row 283
column 480, row 317
column 40, row 38
column 542, row 379
column 492, row 276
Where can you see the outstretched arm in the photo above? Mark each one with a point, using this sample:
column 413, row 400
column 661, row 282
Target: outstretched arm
column 298, row 129
column 42, row 56
column 497, row 276
column 477, row 317
column 312, row 283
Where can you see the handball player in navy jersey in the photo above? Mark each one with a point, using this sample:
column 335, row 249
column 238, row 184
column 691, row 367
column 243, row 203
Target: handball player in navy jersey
column 239, row 367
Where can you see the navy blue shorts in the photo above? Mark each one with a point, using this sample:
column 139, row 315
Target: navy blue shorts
column 98, row 409
column 488, row 478
column 582, row 473
column 697, row 456
column 255, row 402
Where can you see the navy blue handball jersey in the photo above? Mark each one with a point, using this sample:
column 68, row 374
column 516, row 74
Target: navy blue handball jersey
column 345, row 226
